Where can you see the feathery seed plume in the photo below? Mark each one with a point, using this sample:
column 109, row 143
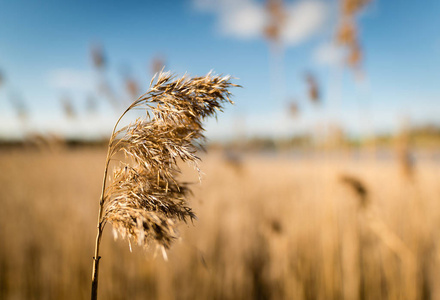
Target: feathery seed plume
column 144, row 201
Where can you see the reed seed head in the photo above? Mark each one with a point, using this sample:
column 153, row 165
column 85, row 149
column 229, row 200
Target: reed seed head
column 144, row 201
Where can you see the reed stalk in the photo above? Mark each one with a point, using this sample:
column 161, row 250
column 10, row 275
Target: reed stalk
column 144, row 200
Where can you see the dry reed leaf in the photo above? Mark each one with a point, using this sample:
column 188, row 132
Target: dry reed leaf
column 293, row 108
column 354, row 58
column 404, row 155
column 98, row 56
column 234, row 160
column 358, row 187
column 157, row 64
column 132, row 87
column 351, row 7
column 347, row 33
column 277, row 17
column 313, row 88
column 68, row 109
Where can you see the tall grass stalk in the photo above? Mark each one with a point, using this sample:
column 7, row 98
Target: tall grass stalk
column 144, row 200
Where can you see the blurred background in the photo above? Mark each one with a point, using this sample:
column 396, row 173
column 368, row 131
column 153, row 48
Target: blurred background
column 321, row 182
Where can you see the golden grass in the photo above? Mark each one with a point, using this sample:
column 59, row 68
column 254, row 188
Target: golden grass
column 279, row 229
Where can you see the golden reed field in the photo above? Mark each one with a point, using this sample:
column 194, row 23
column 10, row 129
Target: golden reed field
column 269, row 227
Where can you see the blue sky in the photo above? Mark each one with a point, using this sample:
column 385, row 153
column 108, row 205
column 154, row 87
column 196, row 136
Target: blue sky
column 45, row 55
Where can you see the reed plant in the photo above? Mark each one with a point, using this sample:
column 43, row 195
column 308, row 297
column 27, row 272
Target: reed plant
column 144, row 201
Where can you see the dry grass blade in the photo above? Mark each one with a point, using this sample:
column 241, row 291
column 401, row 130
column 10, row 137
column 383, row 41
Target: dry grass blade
column 313, row 88
column 144, row 200
column 358, row 187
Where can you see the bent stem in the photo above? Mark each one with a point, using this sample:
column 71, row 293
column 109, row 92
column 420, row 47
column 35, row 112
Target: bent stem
column 100, row 228
column 101, row 223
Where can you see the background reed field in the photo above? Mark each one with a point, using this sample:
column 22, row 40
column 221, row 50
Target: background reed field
column 269, row 227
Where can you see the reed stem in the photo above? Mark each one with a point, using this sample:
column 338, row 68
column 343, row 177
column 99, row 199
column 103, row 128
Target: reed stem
column 100, row 228
column 135, row 204
column 96, row 259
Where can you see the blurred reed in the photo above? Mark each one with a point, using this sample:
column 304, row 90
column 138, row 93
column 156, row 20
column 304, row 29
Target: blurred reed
column 282, row 229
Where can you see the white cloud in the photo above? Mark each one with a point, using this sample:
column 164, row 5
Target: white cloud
column 71, row 79
column 328, row 54
column 237, row 18
column 304, row 20
column 246, row 19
